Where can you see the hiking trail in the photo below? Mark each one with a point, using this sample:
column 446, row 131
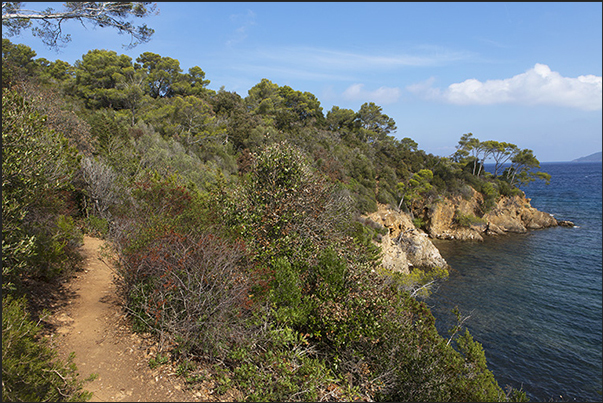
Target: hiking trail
column 93, row 324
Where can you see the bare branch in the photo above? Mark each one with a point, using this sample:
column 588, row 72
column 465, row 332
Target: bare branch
column 102, row 14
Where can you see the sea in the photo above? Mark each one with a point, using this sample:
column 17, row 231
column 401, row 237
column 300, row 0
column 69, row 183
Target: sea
column 534, row 299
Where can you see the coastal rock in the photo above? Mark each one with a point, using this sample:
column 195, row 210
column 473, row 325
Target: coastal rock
column 394, row 258
column 515, row 214
column 509, row 215
column 440, row 218
column 420, row 251
column 405, row 247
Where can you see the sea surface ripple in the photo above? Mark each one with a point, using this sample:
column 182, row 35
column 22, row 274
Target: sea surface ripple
column 535, row 298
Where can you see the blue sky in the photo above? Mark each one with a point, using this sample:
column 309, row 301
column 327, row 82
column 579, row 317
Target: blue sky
column 526, row 73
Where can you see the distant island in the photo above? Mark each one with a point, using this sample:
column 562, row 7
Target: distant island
column 596, row 157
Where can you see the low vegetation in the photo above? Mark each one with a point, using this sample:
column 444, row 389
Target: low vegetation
column 237, row 225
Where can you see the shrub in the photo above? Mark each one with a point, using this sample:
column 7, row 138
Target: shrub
column 418, row 222
column 34, row 185
column 284, row 368
column 491, row 195
column 190, row 286
column 97, row 226
column 378, row 228
column 289, row 208
column 30, row 369
column 60, row 115
column 419, row 283
column 506, row 189
column 385, row 197
column 286, row 293
column 466, row 191
column 57, row 247
column 467, row 220
column 362, row 237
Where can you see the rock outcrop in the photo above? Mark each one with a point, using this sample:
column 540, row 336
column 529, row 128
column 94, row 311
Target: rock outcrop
column 515, row 214
column 405, row 247
column 510, row 215
column 441, row 217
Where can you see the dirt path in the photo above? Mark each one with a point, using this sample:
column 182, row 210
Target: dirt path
column 92, row 325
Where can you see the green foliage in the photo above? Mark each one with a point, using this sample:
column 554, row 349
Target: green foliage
column 286, row 371
column 30, row 370
column 162, row 74
column 466, row 220
column 164, row 78
column 523, row 169
column 474, row 153
column 419, row 283
column 57, row 71
column 234, row 223
column 240, row 122
column 506, row 189
column 292, row 210
column 491, row 195
column 17, row 62
column 283, row 106
column 96, row 226
column 363, row 237
column 483, row 384
column 50, row 30
column 418, row 222
column 56, row 250
column 417, row 184
column 108, row 132
column 334, row 272
column 375, row 124
column 34, row 183
column 100, row 78
column 286, row 294
column 158, row 361
column 168, row 157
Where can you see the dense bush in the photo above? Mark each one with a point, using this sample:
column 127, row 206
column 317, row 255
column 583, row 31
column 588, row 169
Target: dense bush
column 30, row 368
column 287, row 208
column 491, row 195
column 281, row 365
column 37, row 238
column 235, row 221
column 466, row 220
column 189, row 287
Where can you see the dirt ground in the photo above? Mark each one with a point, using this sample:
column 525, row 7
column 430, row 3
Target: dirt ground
column 90, row 321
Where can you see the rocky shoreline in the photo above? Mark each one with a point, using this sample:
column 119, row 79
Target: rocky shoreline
column 405, row 247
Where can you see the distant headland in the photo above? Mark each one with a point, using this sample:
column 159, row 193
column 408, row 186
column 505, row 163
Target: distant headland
column 596, row 157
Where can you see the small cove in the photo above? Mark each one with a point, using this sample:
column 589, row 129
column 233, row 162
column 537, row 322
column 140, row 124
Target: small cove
column 535, row 298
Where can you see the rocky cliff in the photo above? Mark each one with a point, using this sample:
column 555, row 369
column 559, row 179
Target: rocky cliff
column 463, row 219
column 406, row 247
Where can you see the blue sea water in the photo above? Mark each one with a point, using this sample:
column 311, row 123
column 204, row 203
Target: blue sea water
column 534, row 299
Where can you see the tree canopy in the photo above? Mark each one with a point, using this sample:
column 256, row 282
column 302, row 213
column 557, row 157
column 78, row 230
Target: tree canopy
column 49, row 23
column 471, row 150
column 237, row 220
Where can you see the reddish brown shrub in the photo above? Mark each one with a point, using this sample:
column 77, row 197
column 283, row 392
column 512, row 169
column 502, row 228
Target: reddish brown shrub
column 189, row 288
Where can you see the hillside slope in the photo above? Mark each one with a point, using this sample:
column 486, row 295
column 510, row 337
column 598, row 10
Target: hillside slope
column 595, row 157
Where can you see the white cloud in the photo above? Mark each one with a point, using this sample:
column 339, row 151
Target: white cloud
column 537, row 86
column 338, row 60
column 382, row 95
column 245, row 22
column 334, row 65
